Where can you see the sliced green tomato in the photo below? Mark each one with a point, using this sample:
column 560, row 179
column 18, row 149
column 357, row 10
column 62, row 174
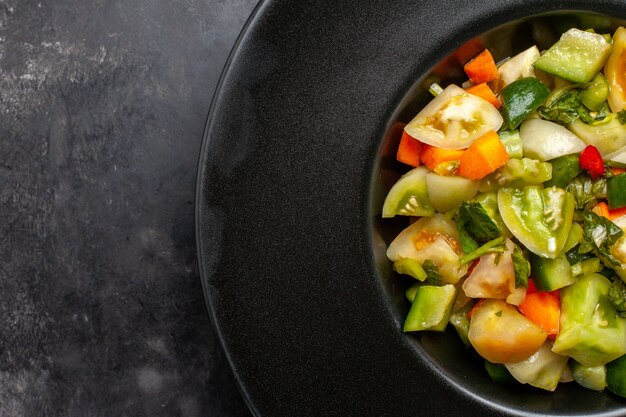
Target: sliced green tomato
column 609, row 137
column 591, row 332
column 574, row 237
column 539, row 218
column 590, row 377
column 409, row 196
column 501, row 334
column 432, row 239
column 454, row 119
column 520, row 66
column 431, row 308
column 521, row 172
column 494, row 277
column 545, row 140
column 577, row 56
column 447, row 192
column 542, row 369
column 521, row 98
column 615, row 72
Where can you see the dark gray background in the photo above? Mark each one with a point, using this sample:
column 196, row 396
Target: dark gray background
column 102, row 108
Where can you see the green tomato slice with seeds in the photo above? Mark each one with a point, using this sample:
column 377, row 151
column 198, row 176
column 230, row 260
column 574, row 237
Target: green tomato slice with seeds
column 454, row 119
column 409, row 196
column 539, row 218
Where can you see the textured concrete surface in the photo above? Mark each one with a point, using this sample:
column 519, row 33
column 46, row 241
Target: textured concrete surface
column 102, row 108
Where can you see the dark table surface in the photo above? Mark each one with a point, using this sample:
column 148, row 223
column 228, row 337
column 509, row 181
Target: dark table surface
column 102, row 109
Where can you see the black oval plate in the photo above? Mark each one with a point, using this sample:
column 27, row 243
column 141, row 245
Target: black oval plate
column 289, row 253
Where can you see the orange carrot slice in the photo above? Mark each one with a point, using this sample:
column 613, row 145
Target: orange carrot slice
column 432, row 156
column 483, row 91
column 482, row 69
column 543, row 309
column 484, row 156
column 409, row 150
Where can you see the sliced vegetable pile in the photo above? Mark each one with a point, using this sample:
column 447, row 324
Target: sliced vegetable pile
column 517, row 200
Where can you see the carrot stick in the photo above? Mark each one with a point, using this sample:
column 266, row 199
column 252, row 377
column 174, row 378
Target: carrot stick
column 433, row 156
column 543, row 309
column 483, row 91
column 617, row 171
column 484, row 156
column 409, row 150
column 482, row 69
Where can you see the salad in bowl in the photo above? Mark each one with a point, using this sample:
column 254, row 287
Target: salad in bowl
column 515, row 191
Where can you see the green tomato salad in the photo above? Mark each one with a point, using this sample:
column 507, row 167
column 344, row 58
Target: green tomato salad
column 515, row 200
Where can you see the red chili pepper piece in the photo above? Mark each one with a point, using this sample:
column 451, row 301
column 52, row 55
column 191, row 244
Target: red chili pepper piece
column 591, row 161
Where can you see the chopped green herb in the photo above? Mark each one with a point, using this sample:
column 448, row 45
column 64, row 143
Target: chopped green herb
column 521, row 266
column 564, row 106
column 494, row 245
column 475, row 226
column 433, row 277
column 574, row 256
column 586, row 191
column 601, row 233
column 617, row 295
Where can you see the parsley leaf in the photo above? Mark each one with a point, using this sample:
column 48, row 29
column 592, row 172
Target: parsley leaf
column 475, row 226
column 600, row 234
column 521, row 266
column 564, row 106
column 433, row 277
column 494, row 245
column 586, row 191
column 617, row 295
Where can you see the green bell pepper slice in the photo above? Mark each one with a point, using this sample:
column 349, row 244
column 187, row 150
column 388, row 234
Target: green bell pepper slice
column 616, row 376
column 564, row 169
column 539, row 218
column 616, row 191
column 521, row 98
